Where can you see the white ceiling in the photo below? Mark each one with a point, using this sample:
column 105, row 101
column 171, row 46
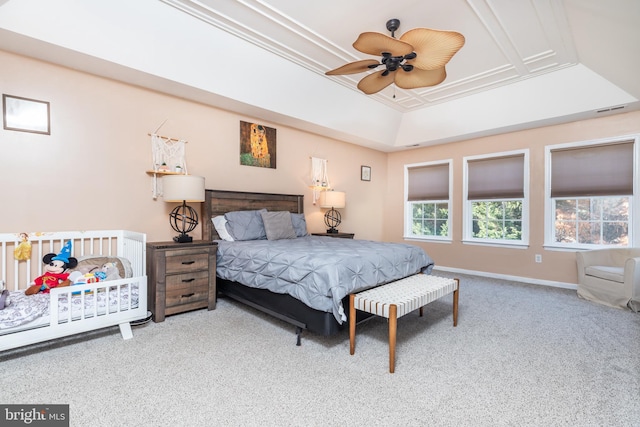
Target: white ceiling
column 525, row 63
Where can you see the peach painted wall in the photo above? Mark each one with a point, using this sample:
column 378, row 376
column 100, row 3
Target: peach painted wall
column 90, row 172
column 556, row 266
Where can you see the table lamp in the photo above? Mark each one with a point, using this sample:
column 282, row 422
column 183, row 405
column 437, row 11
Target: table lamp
column 183, row 188
column 333, row 200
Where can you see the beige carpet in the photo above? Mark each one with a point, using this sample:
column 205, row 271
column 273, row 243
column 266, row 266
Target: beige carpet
column 522, row 355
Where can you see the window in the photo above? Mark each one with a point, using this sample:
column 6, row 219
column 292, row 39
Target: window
column 592, row 221
column 495, row 199
column 497, row 220
column 427, row 208
column 590, row 194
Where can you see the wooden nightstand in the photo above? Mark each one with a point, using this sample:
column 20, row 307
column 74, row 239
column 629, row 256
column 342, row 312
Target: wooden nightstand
column 182, row 277
column 337, row 235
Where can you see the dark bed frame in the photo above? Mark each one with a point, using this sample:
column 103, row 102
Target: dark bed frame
column 282, row 306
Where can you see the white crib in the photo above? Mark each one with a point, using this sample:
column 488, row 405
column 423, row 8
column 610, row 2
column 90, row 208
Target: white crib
column 74, row 309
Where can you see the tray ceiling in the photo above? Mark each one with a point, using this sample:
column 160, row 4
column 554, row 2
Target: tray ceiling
column 525, row 63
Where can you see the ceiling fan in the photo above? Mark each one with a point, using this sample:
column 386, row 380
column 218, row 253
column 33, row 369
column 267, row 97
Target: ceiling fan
column 415, row 60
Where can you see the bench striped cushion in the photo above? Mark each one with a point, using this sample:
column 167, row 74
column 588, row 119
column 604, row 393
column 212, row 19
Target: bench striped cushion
column 407, row 294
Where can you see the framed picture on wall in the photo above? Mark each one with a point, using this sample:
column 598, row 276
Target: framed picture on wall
column 365, row 173
column 257, row 145
column 26, row 115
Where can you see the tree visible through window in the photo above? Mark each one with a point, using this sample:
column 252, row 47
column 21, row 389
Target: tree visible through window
column 497, row 219
column 592, row 221
column 430, row 219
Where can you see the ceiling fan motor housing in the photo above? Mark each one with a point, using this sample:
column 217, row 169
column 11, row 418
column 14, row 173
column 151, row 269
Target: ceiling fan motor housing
column 392, row 63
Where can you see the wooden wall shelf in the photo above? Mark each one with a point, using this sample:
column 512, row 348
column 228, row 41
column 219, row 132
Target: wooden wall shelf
column 165, row 173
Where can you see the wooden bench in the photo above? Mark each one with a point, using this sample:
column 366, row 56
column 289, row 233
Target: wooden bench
column 398, row 298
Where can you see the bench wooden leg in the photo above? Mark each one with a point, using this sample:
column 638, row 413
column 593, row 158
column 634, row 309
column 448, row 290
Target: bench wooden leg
column 352, row 325
column 455, row 303
column 393, row 325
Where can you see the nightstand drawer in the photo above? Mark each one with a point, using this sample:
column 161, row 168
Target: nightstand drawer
column 187, row 261
column 178, row 298
column 187, row 288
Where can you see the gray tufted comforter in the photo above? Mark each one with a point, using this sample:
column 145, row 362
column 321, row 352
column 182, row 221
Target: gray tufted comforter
column 319, row 271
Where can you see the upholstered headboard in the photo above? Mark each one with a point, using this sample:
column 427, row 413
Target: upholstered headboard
column 219, row 202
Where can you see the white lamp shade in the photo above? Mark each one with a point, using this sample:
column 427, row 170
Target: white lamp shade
column 178, row 188
column 332, row 199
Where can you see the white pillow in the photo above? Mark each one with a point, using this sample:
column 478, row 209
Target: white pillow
column 220, row 224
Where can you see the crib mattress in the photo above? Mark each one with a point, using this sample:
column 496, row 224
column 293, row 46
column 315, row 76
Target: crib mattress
column 32, row 311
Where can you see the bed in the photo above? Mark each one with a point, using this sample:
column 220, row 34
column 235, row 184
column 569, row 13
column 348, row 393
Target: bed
column 272, row 275
column 92, row 303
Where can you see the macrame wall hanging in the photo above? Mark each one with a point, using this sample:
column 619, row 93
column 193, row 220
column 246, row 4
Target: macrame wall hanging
column 168, row 156
column 319, row 177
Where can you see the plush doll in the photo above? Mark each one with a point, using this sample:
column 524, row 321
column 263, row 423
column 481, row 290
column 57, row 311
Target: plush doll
column 55, row 267
column 22, row 252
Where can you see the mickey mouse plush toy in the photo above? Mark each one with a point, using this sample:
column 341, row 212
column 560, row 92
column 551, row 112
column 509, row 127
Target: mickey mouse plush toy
column 54, row 271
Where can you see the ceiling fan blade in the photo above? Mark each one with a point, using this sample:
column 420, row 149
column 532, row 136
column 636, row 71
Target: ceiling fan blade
column 419, row 78
column 376, row 43
column 434, row 48
column 353, row 67
column 375, row 82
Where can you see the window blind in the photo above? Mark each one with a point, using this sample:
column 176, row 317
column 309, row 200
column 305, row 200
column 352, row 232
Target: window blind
column 428, row 182
column 496, row 178
column 597, row 170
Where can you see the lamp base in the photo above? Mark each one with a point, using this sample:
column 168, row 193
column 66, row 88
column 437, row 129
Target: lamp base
column 183, row 219
column 183, row 238
column 332, row 220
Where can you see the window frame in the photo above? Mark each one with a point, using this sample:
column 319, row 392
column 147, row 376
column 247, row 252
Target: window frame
column 467, row 225
column 549, row 202
column 408, row 205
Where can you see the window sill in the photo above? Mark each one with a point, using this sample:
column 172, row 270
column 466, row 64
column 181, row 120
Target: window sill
column 428, row 239
column 515, row 245
column 575, row 248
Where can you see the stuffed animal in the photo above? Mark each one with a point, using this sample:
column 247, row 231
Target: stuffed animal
column 5, row 296
column 22, row 252
column 110, row 271
column 55, row 267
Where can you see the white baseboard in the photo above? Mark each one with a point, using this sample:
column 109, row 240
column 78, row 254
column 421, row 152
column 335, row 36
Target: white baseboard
column 508, row 277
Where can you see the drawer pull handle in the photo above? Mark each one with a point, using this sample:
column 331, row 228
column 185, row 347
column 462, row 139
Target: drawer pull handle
column 188, row 295
column 188, row 280
column 187, row 262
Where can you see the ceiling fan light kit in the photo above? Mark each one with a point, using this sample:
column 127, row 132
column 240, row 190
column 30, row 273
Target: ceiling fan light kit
column 415, row 60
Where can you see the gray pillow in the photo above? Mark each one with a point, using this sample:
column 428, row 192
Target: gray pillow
column 299, row 224
column 278, row 225
column 246, row 225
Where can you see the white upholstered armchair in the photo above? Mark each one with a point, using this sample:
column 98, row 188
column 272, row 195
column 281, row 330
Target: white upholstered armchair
column 610, row 277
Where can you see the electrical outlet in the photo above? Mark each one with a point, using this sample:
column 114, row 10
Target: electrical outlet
column 538, row 258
